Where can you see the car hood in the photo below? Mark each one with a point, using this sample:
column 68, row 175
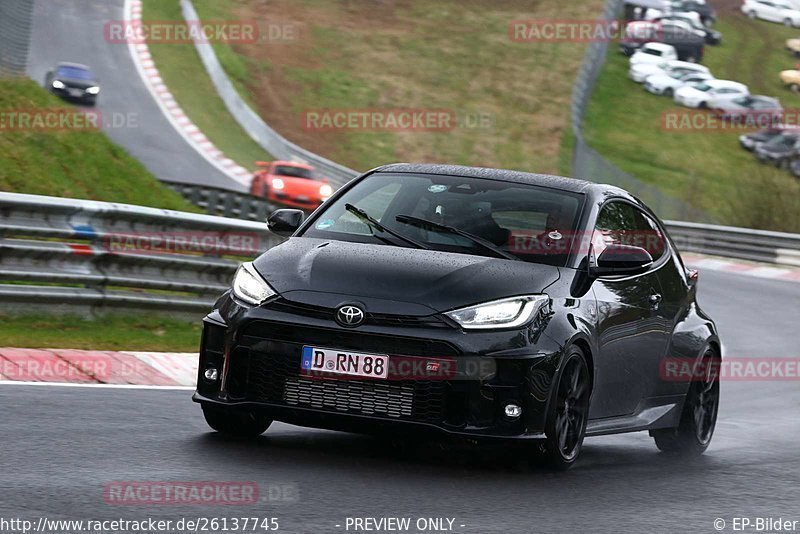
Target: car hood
column 394, row 280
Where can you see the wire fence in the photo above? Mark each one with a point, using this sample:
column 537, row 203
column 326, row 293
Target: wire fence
column 16, row 20
column 589, row 164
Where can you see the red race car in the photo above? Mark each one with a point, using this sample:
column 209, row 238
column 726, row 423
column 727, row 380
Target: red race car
column 290, row 183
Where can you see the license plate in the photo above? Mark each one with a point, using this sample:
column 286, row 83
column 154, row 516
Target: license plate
column 75, row 92
column 342, row 362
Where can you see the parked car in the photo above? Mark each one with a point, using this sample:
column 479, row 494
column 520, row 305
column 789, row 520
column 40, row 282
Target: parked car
column 709, row 93
column 654, row 53
column 692, row 18
column 753, row 140
column 290, row 183
column 688, row 42
column 754, row 110
column 772, row 10
column 639, row 73
column 73, row 82
column 794, row 168
column 791, row 79
column 667, row 84
column 427, row 299
column 779, row 150
column 707, row 14
column 793, row 46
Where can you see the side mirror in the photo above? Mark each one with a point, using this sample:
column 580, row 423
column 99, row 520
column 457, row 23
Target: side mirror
column 285, row 222
column 621, row 260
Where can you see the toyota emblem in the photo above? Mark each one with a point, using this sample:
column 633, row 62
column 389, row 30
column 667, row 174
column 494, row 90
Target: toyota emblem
column 350, row 316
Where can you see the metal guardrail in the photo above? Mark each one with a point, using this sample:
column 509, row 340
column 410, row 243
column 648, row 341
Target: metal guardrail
column 224, row 202
column 16, row 21
column 64, row 252
column 741, row 243
column 57, row 251
column 252, row 123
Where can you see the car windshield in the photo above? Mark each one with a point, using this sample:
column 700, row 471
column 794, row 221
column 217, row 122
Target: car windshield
column 76, row 73
column 532, row 223
column 294, row 172
column 704, row 87
column 781, row 141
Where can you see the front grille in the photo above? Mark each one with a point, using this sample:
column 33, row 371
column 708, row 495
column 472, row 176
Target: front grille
column 364, row 397
column 272, row 374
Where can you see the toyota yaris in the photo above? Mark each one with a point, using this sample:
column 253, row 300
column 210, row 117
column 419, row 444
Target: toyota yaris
column 467, row 302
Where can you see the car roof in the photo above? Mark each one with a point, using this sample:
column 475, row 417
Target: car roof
column 724, row 83
column 659, row 46
column 72, row 65
column 572, row 185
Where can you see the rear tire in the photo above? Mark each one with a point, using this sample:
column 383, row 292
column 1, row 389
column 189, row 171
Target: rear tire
column 753, row 15
column 237, row 424
column 568, row 412
column 699, row 418
column 669, row 91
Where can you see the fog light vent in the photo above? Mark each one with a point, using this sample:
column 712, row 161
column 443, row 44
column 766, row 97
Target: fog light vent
column 212, row 374
column 513, row 411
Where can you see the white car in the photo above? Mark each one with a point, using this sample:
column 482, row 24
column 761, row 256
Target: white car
column 640, row 72
column 654, row 53
column 667, row 84
column 772, row 10
column 709, row 94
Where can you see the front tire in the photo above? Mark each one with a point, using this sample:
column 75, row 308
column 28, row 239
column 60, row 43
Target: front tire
column 236, row 424
column 699, row 418
column 569, row 412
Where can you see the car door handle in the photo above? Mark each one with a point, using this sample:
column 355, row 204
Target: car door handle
column 655, row 300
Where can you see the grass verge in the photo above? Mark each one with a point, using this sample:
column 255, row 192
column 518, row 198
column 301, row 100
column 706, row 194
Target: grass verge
column 183, row 72
column 152, row 332
column 707, row 169
column 77, row 163
column 510, row 99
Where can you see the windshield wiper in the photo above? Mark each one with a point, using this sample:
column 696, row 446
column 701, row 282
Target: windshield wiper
column 431, row 225
column 374, row 224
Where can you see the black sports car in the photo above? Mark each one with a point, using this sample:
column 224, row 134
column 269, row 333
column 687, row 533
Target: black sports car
column 73, row 81
column 469, row 302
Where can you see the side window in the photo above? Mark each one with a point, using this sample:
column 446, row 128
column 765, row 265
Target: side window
column 374, row 203
column 623, row 224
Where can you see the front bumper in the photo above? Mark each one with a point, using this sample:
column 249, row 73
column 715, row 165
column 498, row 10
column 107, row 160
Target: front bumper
column 304, row 203
column 258, row 352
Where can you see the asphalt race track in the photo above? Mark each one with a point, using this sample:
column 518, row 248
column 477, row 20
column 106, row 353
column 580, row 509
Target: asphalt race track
column 72, row 30
column 62, row 445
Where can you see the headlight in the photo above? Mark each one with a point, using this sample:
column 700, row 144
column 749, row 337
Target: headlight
column 249, row 286
column 505, row 313
column 93, row 90
column 278, row 184
column 58, row 84
column 325, row 191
